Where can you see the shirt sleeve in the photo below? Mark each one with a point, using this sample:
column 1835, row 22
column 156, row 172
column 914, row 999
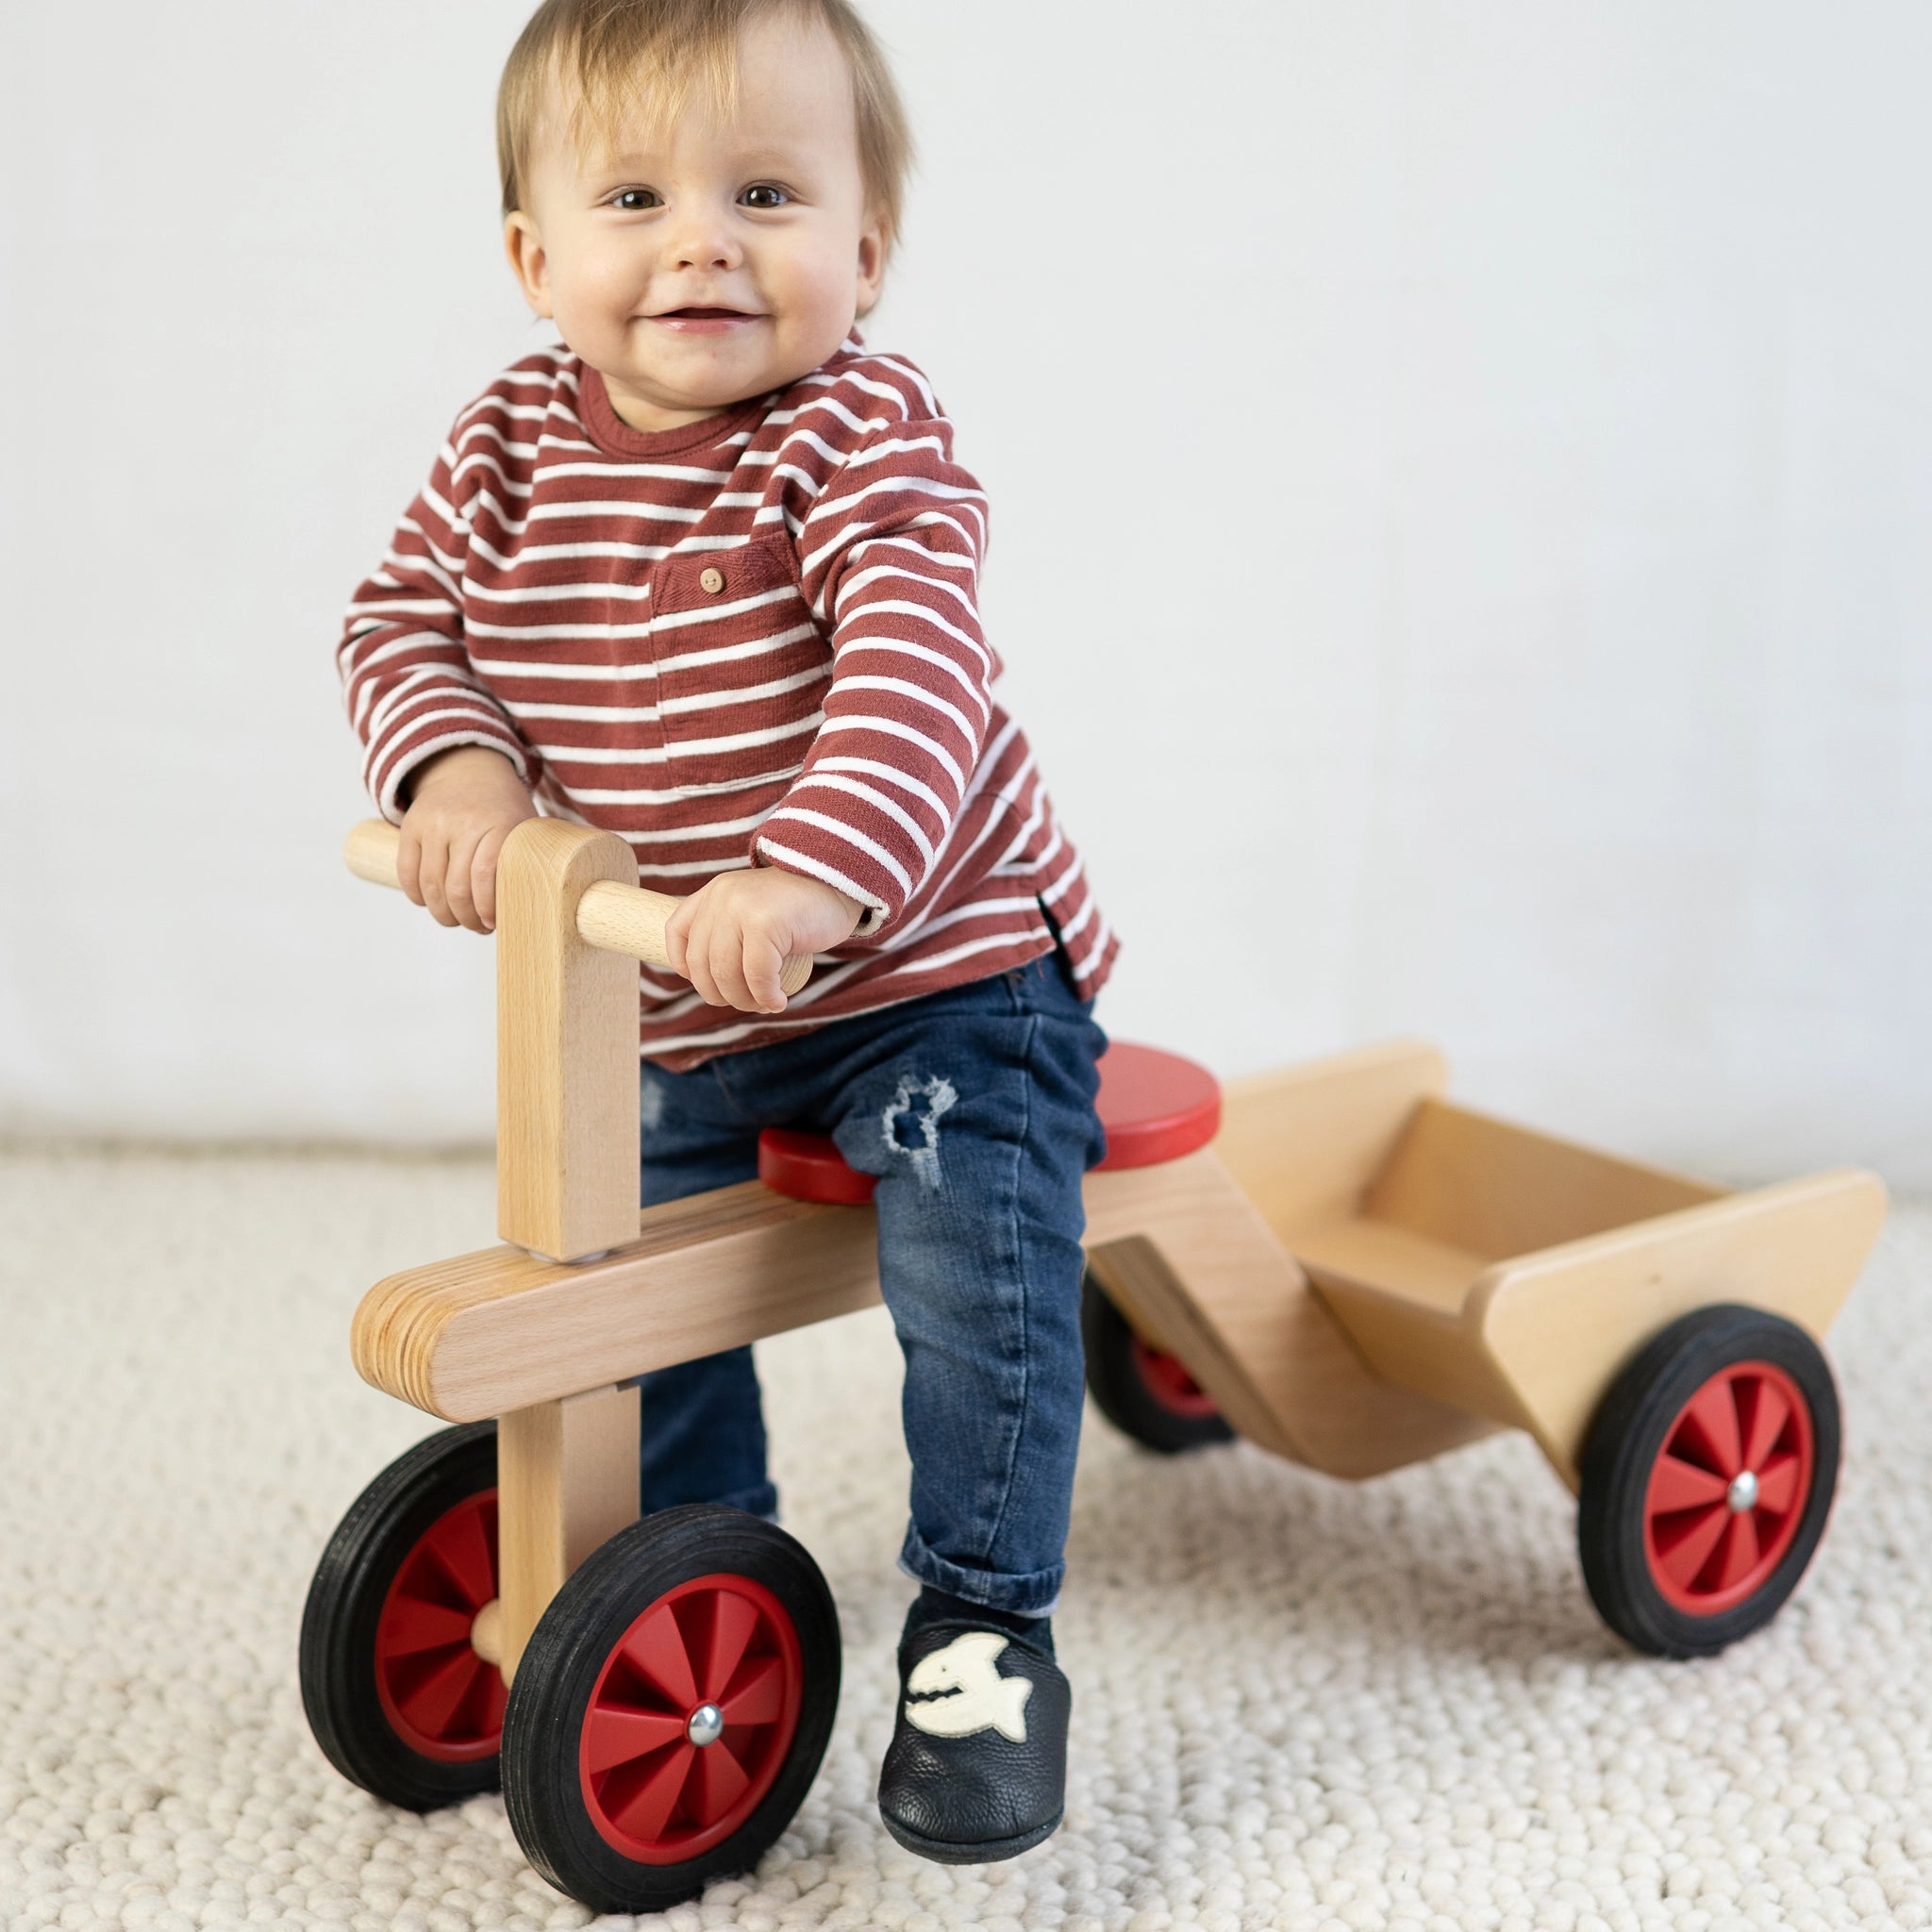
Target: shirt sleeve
column 407, row 677
column 890, row 556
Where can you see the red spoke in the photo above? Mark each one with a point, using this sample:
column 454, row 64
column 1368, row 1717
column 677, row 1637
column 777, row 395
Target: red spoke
column 719, row 1782
column 1778, row 1485
column 656, row 1648
column 1679, row 1485
column 1687, row 1556
column 721, row 1639
column 472, row 1718
column 1705, row 1557
column 1713, row 1415
column 616, row 1735
column 467, row 1554
column 1740, row 1556
column 433, row 1701
column 443, row 1700
column 647, row 1810
column 413, row 1624
column 1768, row 1413
column 758, row 1695
column 733, row 1621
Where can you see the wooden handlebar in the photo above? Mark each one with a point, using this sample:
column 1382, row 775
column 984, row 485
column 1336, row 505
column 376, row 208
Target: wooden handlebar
column 611, row 917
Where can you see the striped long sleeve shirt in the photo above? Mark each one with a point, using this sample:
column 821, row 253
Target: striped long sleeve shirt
column 751, row 641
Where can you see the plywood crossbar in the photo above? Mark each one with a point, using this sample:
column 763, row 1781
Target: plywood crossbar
column 497, row 1330
column 1186, row 1252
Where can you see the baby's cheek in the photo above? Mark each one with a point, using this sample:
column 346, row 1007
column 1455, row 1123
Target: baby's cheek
column 592, row 297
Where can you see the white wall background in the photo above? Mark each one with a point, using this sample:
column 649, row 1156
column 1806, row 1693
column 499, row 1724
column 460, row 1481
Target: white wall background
column 1462, row 502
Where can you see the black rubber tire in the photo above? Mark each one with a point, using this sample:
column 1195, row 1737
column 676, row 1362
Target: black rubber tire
column 1120, row 1391
column 1625, row 1440
column 337, row 1644
column 559, row 1672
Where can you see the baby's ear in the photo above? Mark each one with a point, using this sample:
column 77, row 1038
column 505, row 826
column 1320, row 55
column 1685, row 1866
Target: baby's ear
column 874, row 246
column 528, row 260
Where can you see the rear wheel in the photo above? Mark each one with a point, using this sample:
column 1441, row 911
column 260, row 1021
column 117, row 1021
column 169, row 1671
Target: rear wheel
column 1143, row 1392
column 396, row 1694
column 671, row 1710
column 1708, row 1477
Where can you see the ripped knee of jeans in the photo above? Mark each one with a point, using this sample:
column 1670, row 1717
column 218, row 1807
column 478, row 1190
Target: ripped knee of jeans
column 911, row 1125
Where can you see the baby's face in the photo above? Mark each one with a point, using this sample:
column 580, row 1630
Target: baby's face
column 699, row 264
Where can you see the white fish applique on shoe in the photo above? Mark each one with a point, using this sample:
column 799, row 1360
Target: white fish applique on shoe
column 958, row 1690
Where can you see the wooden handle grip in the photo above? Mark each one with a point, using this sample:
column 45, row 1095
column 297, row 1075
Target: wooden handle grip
column 613, row 918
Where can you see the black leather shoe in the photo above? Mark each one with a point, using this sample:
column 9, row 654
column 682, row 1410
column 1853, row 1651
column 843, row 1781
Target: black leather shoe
column 977, row 1766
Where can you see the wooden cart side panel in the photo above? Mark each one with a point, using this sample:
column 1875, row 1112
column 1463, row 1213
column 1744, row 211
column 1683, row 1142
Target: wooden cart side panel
column 1429, row 1351
column 1497, row 1190
column 1194, row 1263
column 1561, row 1324
column 1305, row 1142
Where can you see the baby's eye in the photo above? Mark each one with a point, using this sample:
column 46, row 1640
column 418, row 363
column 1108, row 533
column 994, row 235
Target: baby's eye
column 634, row 200
column 765, row 195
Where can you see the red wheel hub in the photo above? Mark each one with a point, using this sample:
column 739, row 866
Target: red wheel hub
column 690, row 1720
column 1169, row 1382
column 441, row 1698
column 1728, row 1488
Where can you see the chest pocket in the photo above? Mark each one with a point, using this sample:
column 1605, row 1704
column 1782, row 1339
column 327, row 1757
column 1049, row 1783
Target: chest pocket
column 741, row 668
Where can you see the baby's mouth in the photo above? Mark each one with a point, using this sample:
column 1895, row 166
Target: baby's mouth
column 699, row 321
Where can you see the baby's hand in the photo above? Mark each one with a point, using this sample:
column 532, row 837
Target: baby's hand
column 730, row 939
column 463, row 804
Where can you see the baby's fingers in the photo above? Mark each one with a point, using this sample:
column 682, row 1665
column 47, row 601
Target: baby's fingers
column 727, row 962
column 698, row 953
column 458, row 884
column 677, row 936
column 409, row 864
column 483, row 877
column 762, row 964
column 432, row 878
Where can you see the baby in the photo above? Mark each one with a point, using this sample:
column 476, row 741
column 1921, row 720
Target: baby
column 704, row 574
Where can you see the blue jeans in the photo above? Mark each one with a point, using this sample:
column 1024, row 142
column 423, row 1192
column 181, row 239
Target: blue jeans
column 974, row 1110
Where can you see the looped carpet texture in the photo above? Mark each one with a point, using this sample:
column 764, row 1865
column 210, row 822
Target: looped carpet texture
column 1297, row 1704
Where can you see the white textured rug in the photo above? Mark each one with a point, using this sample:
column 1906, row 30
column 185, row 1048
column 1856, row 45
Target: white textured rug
column 1297, row 1704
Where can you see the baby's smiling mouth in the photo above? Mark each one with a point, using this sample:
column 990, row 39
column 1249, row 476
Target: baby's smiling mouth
column 702, row 320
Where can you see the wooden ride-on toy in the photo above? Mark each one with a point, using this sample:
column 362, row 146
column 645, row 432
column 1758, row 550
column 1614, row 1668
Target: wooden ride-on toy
column 1354, row 1274
column 654, row 1697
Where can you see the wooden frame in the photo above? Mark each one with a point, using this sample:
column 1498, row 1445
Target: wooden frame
column 1358, row 1273
column 1181, row 1245
column 566, row 1049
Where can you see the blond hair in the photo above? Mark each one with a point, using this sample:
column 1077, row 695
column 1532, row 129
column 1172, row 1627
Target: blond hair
column 675, row 50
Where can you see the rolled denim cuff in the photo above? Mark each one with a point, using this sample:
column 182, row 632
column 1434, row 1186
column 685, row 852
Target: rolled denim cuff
column 1035, row 1595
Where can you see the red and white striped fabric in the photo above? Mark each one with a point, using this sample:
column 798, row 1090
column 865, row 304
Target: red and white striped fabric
column 754, row 640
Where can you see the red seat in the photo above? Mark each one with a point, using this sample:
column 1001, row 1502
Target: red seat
column 1155, row 1107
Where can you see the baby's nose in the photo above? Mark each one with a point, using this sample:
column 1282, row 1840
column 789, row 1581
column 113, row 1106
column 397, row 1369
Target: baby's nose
column 704, row 244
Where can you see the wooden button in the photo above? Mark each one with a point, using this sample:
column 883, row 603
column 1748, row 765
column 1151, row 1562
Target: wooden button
column 713, row 580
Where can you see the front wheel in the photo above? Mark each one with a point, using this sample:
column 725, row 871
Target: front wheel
column 396, row 1693
column 671, row 1710
column 1707, row 1477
